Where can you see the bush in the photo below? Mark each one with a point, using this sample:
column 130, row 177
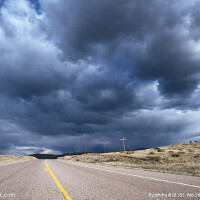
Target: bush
column 130, row 152
column 157, row 148
column 191, row 150
column 155, row 158
column 151, row 153
column 181, row 152
column 160, row 150
column 176, row 155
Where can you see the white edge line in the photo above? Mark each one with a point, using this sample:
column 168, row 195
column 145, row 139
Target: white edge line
column 145, row 177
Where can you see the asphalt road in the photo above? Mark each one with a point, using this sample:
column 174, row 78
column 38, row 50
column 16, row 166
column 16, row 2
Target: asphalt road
column 55, row 180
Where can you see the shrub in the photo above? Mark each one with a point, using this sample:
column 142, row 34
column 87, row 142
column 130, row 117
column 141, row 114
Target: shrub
column 151, row 153
column 157, row 148
column 155, row 158
column 111, row 159
column 176, row 155
column 130, row 152
column 160, row 150
column 181, row 152
column 191, row 150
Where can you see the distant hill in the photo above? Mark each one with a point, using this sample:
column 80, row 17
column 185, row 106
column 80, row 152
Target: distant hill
column 49, row 156
column 45, row 156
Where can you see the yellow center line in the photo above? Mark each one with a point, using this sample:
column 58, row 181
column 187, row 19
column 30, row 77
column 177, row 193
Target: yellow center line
column 58, row 184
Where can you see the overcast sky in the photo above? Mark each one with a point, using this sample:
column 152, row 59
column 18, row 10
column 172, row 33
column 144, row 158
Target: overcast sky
column 78, row 73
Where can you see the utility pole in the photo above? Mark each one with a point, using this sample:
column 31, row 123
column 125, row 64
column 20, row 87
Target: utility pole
column 104, row 144
column 85, row 149
column 123, row 143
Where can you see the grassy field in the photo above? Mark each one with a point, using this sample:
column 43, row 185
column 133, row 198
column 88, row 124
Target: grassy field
column 177, row 159
column 14, row 158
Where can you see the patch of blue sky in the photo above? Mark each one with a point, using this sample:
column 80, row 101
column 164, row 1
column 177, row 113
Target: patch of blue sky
column 36, row 4
column 1, row 3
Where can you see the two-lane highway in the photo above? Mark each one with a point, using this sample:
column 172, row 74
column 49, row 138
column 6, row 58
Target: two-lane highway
column 28, row 180
column 56, row 179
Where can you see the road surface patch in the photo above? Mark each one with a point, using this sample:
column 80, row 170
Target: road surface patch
column 57, row 182
column 139, row 176
column 11, row 163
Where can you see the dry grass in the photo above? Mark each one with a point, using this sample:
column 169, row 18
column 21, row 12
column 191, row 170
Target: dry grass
column 177, row 159
column 14, row 158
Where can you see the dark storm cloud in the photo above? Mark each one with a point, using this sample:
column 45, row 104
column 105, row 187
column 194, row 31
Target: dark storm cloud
column 86, row 25
column 75, row 74
column 96, row 30
column 171, row 61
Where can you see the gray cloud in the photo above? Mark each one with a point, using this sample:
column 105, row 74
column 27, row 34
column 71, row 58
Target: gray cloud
column 86, row 33
column 76, row 74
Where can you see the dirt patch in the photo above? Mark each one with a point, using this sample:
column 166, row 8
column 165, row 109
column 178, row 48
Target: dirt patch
column 13, row 158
